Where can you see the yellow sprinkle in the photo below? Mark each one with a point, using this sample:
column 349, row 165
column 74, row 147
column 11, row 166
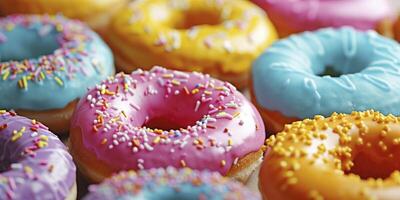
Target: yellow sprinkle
column 44, row 138
column 195, row 91
column 236, row 114
column 42, row 76
column 2, row 111
column 42, row 144
column 168, row 76
column 175, row 82
column 28, row 170
column 5, row 75
column 208, row 92
column 230, row 142
column 25, row 82
column 156, row 140
column 17, row 134
column 59, row 81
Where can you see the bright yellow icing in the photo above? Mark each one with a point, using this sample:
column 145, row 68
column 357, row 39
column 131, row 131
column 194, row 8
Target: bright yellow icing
column 213, row 36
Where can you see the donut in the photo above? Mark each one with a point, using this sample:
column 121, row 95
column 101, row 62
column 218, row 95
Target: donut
column 326, row 71
column 344, row 156
column 46, row 64
column 169, row 183
column 95, row 13
column 396, row 29
column 35, row 164
column 217, row 37
column 291, row 17
column 160, row 118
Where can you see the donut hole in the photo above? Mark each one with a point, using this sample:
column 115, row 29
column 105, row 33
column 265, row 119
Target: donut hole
column 330, row 71
column 174, row 114
column 165, row 123
column 31, row 42
column 193, row 18
column 368, row 165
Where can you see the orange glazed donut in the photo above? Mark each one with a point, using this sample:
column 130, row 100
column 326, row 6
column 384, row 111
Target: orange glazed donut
column 95, row 13
column 217, row 37
column 340, row 157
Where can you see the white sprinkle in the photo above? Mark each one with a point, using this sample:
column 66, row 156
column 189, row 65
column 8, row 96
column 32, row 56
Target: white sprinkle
column 236, row 160
column 196, row 108
column 34, row 134
column 148, row 147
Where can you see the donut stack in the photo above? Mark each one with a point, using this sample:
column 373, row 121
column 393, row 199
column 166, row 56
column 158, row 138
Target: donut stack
column 189, row 99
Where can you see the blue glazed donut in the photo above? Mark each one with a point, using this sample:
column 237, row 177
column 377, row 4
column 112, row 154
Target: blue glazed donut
column 330, row 70
column 48, row 62
column 169, row 183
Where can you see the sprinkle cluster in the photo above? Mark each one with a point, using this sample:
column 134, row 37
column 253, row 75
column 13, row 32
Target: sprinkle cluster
column 172, row 40
column 313, row 140
column 116, row 115
column 133, row 184
column 67, row 59
column 23, row 161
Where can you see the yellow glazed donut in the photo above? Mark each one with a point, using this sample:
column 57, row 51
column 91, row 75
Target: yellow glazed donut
column 94, row 12
column 340, row 157
column 218, row 37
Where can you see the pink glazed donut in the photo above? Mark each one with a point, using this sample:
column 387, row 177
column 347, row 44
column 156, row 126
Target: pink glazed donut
column 160, row 118
column 294, row 16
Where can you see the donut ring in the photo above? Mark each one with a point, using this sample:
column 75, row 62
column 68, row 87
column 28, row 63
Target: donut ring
column 166, row 118
column 294, row 17
column 340, row 157
column 95, row 13
column 170, row 183
column 396, row 29
column 326, row 71
column 35, row 164
column 46, row 64
column 220, row 38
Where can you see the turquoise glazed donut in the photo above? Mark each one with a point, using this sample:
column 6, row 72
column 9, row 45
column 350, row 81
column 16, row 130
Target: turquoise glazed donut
column 330, row 70
column 47, row 62
column 170, row 183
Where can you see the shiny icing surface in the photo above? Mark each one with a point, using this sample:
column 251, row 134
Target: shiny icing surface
column 344, row 156
column 48, row 61
column 302, row 15
column 169, row 183
column 214, row 124
column 210, row 36
column 35, row 164
column 288, row 77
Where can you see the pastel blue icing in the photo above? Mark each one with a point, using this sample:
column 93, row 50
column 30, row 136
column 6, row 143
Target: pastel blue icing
column 23, row 43
column 287, row 76
column 26, row 43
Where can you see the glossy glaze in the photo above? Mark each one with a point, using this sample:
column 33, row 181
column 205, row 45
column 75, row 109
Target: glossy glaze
column 35, row 164
column 293, row 16
column 217, row 37
column 214, row 124
column 289, row 76
column 169, row 183
column 49, row 61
